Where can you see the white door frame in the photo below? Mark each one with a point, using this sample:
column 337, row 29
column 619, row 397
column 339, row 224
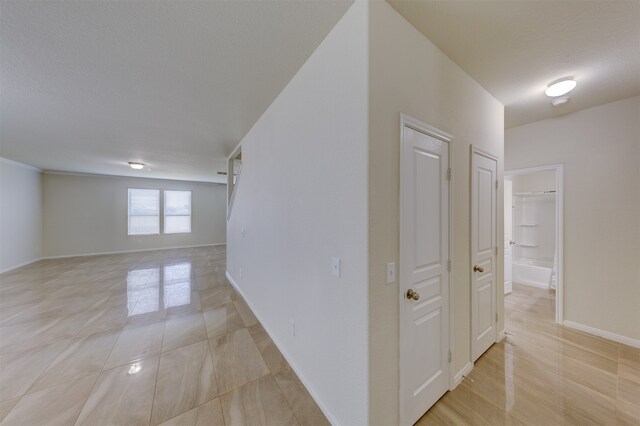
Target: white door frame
column 498, row 239
column 410, row 122
column 559, row 169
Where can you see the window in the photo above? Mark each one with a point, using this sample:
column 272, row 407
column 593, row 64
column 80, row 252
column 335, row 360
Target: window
column 144, row 212
column 177, row 212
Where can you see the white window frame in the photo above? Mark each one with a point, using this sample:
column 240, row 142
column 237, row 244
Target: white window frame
column 129, row 215
column 164, row 211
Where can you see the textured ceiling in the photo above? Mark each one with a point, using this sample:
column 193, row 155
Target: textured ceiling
column 89, row 85
column 514, row 48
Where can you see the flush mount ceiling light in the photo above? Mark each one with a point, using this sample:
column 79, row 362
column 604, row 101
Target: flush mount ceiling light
column 136, row 165
column 560, row 101
column 560, row 87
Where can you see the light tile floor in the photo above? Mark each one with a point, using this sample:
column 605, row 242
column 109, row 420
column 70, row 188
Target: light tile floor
column 545, row 374
column 140, row 339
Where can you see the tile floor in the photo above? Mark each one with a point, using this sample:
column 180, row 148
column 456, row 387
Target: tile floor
column 545, row 374
column 140, row 339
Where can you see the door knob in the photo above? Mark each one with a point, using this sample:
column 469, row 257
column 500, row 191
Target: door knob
column 412, row 295
column 477, row 268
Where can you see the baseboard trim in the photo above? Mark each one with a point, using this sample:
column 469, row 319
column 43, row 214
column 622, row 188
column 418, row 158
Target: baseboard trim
column 602, row 333
column 457, row 379
column 131, row 251
column 502, row 335
column 332, row 419
column 20, row 265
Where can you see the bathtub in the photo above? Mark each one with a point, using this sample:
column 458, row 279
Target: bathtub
column 533, row 272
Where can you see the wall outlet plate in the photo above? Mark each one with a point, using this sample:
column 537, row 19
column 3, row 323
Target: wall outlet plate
column 391, row 272
column 336, row 267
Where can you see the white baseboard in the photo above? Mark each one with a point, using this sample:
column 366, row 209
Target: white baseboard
column 601, row 333
column 325, row 409
column 131, row 251
column 20, row 265
column 501, row 335
column 457, row 379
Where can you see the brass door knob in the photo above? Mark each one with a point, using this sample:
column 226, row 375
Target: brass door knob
column 412, row 295
column 477, row 268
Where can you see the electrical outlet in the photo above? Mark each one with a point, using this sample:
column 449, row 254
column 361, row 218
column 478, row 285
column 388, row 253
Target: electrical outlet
column 293, row 327
column 240, row 273
column 242, row 232
column 336, row 267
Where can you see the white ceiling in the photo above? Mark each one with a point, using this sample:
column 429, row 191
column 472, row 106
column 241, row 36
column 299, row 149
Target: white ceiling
column 89, row 85
column 514, row 48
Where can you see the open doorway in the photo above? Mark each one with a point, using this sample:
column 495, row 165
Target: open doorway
column 533, row 244
column 234, row 166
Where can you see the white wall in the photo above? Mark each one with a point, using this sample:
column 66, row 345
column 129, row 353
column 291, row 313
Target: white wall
column 85, row 214
column 600, row 150
column 20, row 214
column 534, row 182
column 302, row 199
column 409, row 74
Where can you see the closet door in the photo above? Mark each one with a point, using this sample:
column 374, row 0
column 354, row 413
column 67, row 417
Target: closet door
column 484, row 252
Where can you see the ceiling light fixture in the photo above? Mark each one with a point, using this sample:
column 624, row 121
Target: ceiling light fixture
column 560, row 101
column 560, row 87
column 136, row 165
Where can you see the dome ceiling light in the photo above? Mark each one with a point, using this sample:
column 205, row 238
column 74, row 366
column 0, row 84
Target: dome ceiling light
column 137, row 166
column 560, row 87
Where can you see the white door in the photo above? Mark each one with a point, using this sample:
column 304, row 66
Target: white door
column 424, row 275
column 508, row 235
column 483, row 252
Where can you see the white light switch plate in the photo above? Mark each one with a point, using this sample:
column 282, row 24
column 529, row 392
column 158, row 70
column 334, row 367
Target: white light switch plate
column 391, row 272
column 335, row 267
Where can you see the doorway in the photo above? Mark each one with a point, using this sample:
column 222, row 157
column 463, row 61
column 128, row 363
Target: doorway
column 533, row 239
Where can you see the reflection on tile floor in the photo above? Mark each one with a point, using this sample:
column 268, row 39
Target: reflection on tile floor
column 140, row 339
column 545, row 374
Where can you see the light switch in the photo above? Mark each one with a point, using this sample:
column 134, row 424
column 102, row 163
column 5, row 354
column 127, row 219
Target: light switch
column 335, row 266
column 242, row 231
column 391, row 273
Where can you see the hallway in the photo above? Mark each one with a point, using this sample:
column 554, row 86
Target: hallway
column 545, row 374
column 157, row 337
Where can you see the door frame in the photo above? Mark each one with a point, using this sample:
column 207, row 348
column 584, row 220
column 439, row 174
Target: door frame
column 504, row 220
column 433, row 132
column 559, row 169
column 499, row 241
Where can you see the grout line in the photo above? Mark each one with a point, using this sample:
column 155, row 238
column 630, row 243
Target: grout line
column 155, row 386
column 284, row 395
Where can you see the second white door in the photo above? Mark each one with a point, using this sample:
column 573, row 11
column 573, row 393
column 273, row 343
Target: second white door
column 484, row 251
